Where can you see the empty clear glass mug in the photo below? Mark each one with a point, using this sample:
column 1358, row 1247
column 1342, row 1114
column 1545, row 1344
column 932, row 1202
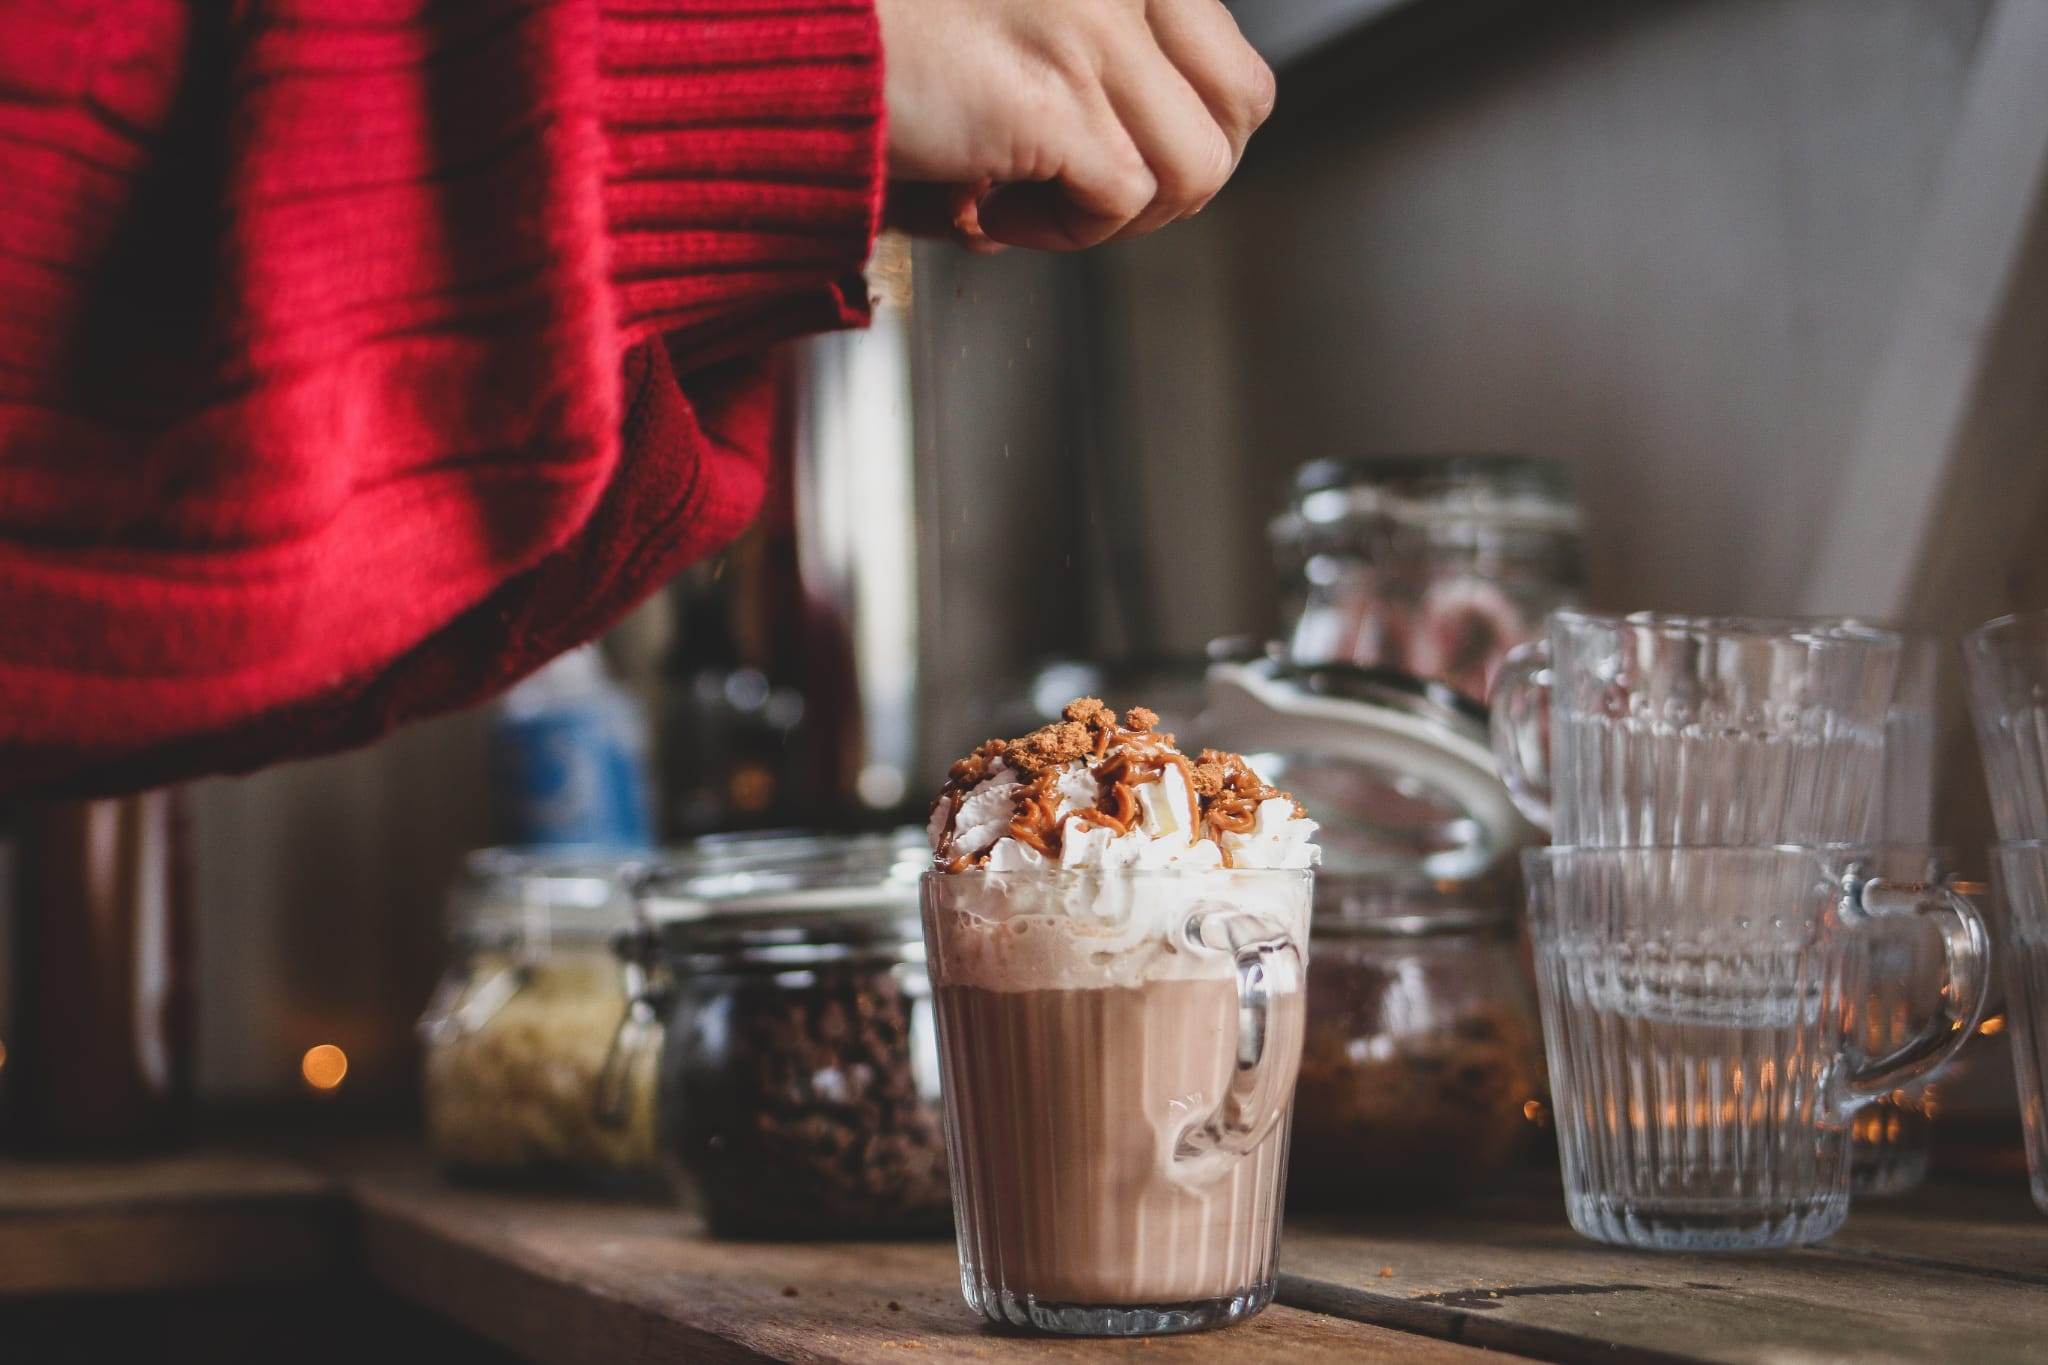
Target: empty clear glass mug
column 1118, row 1052
column 1892, row 1139
column 2021, row 867
column 1698, row 1013
column 2007, row 662
column 1617, row 731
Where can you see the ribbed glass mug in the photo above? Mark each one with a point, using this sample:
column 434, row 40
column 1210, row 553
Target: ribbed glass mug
column 1903, row 812
column 1698, row 1009
column 1118, row 1052
column 1696, row 730
column 1893, row 1139
column 2007, row 660
column 2022, row 870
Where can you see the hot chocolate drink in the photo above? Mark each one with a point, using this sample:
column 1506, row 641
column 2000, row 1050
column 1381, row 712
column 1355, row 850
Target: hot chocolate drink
column 1069, row 1141
column 1116, row 939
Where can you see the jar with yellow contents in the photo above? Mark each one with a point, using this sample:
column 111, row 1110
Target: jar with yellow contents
column 521, row 1079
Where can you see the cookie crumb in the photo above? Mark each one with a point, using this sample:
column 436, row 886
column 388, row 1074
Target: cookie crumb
column 1091, row 712
column 1386, row 1272
column 1119, row 755
column 1051, row 746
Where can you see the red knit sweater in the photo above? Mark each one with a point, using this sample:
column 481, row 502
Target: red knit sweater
column 357, row 356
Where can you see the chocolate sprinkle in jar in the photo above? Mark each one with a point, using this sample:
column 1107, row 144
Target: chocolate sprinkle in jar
column 799, row 1092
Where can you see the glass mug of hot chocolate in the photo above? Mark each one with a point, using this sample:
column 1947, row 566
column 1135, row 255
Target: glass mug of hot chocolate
column 1117, row 937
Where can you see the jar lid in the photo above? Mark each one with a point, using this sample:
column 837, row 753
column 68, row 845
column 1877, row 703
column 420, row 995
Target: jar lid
column 573, row 890
column 1440, row 493
column 750, row 894
column 1398, row 771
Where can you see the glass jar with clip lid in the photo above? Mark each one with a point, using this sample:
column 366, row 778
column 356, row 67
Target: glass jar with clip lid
column 1422, row 1066
column 799, row 1092
column 519, row 1033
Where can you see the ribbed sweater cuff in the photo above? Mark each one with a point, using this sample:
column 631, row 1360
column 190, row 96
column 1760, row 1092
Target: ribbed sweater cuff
column 745, row 167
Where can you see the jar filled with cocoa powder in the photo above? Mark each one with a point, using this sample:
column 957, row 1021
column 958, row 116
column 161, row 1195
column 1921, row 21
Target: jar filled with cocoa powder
column 1422, row 1068
column 799, row 1092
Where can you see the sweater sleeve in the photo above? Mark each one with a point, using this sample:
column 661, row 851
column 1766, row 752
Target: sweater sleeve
column 335, row 345
column 745, row 169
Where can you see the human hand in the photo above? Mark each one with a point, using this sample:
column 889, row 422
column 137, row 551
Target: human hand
column 1092, row 120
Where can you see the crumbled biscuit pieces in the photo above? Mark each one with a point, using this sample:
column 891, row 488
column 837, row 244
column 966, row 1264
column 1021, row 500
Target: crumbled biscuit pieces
column 1226, row 789
column 1090, row 711
column 1050, row 746
column 1087, row 726
column 1219, row 773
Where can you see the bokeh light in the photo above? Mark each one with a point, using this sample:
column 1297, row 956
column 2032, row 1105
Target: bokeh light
column 324, row 1066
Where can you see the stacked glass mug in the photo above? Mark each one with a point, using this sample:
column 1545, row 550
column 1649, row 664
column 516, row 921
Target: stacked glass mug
column 1706, row 920
column 2008, row 669
column 1891, row 1140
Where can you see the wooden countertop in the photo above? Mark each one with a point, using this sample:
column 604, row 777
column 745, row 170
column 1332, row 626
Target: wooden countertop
column 1953, row 1272
column 564, row 1280
column 199, row 1220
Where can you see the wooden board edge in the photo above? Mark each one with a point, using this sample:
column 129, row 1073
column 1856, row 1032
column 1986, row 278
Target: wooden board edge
column 1458, row 1325
column 168, row 1247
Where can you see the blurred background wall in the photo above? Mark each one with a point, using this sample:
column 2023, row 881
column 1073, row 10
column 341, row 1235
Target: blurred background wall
column 1664, row 240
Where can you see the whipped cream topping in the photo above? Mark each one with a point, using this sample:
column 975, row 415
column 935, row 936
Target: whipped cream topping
column 1090, row 793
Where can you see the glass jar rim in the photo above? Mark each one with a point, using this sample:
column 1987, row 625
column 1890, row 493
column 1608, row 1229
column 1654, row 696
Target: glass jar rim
column 781, row 871
column 570, row 891
column 1540, row 472
column 752, row 939
column 786, row 898
column 1465, row 496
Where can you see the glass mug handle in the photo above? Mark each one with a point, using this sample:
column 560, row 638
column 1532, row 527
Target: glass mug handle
column 1520, row 724
column 1966, row 945
column 1269, row 963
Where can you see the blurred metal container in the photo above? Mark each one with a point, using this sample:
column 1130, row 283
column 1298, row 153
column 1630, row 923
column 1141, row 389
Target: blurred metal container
column 99, row 1053
column 854, row 447
column 792, row 692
